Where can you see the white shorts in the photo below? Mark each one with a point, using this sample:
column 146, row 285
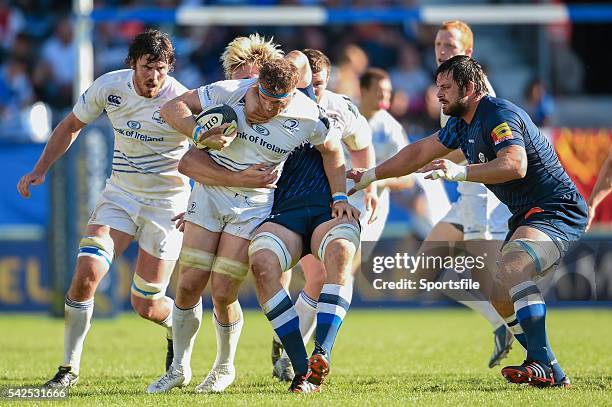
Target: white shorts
column 372, row 232
column 148, row 220
column 481, row 215
column 220, row 210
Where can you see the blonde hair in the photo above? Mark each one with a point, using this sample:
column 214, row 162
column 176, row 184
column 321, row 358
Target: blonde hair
column 254, row 49
column 467, row 37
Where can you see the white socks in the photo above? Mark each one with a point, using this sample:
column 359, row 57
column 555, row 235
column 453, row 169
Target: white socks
column 306, row 309
column 227, row 339
column 186, row 323
column 77, row 321
column 167, row 323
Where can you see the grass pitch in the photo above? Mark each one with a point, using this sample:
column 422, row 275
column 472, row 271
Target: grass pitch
column 382, row 357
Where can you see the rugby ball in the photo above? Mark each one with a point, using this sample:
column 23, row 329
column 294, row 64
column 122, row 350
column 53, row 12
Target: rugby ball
column 215, row 116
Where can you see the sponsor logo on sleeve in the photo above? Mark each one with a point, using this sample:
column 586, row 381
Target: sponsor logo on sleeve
column 501, row 133
column 114, row 100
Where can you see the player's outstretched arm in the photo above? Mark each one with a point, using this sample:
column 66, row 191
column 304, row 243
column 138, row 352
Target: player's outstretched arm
column 62, row 137
column 408, row 160
column 510, row 164
column 197, row 165
column 602, row 188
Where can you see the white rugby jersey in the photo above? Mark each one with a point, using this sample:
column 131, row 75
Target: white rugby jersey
column 147, row 150
column 345, row 118
column 389, row 137
column 470, row 188
column 269, row 142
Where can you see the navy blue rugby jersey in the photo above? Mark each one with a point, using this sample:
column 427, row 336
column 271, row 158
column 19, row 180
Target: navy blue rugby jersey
column 498, row 123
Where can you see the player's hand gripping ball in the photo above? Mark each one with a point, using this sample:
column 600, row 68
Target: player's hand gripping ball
column 221, row 117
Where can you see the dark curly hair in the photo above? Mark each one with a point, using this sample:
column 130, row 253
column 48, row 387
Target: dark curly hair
column 464, row 69
column 155, row 44
column 279, row 76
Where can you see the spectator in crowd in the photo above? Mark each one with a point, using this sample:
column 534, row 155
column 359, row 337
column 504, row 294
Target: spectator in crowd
column 11, row 23
column 53, row 78
column 352, row 63
column 15, row 90
column 539, row 103
column 410, row 77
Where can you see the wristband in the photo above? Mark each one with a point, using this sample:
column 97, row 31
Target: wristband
column 366, row 179
column 339, row 197
column 196, row 133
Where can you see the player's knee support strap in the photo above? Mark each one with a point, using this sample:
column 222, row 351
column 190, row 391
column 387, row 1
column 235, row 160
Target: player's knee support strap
column 544, row 254
column 230, row 267
column 346, row 231
column 199, row 259
column 270, row 241
column 101, row 248
column 147, row 290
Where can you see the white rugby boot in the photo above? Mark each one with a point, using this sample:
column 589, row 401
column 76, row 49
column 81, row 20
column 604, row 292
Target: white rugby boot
column 218, row 379
column 174, row 377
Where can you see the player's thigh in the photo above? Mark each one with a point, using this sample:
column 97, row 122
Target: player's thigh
column 153, row 269
column 121, row 240
column 198, row 237
column 113, row 216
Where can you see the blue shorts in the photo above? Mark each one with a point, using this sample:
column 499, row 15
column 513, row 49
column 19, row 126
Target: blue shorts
column 302, row 215
column 564, row 221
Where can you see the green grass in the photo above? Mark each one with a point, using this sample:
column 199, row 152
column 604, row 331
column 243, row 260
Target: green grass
column 382, row 357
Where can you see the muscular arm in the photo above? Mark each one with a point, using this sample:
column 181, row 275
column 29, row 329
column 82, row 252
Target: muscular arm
column 61, row 139
column 179, row 112
column 510, row 164
column 456, row 156
column 197, row 165
column 412, row 157
column 333, row 163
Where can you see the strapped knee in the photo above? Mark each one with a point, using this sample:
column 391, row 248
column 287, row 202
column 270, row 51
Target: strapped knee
column 147, row 290
column 269, row 241
column 101, row 248
column 347, row 231
column 199, row 259
column 544, row 254
column 230, row 267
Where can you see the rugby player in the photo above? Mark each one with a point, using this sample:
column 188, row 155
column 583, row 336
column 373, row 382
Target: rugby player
column 220, row 221
column 478, row 214
column 357, row 141
column 507, row 153
column 303, row 175
column 144, row 192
